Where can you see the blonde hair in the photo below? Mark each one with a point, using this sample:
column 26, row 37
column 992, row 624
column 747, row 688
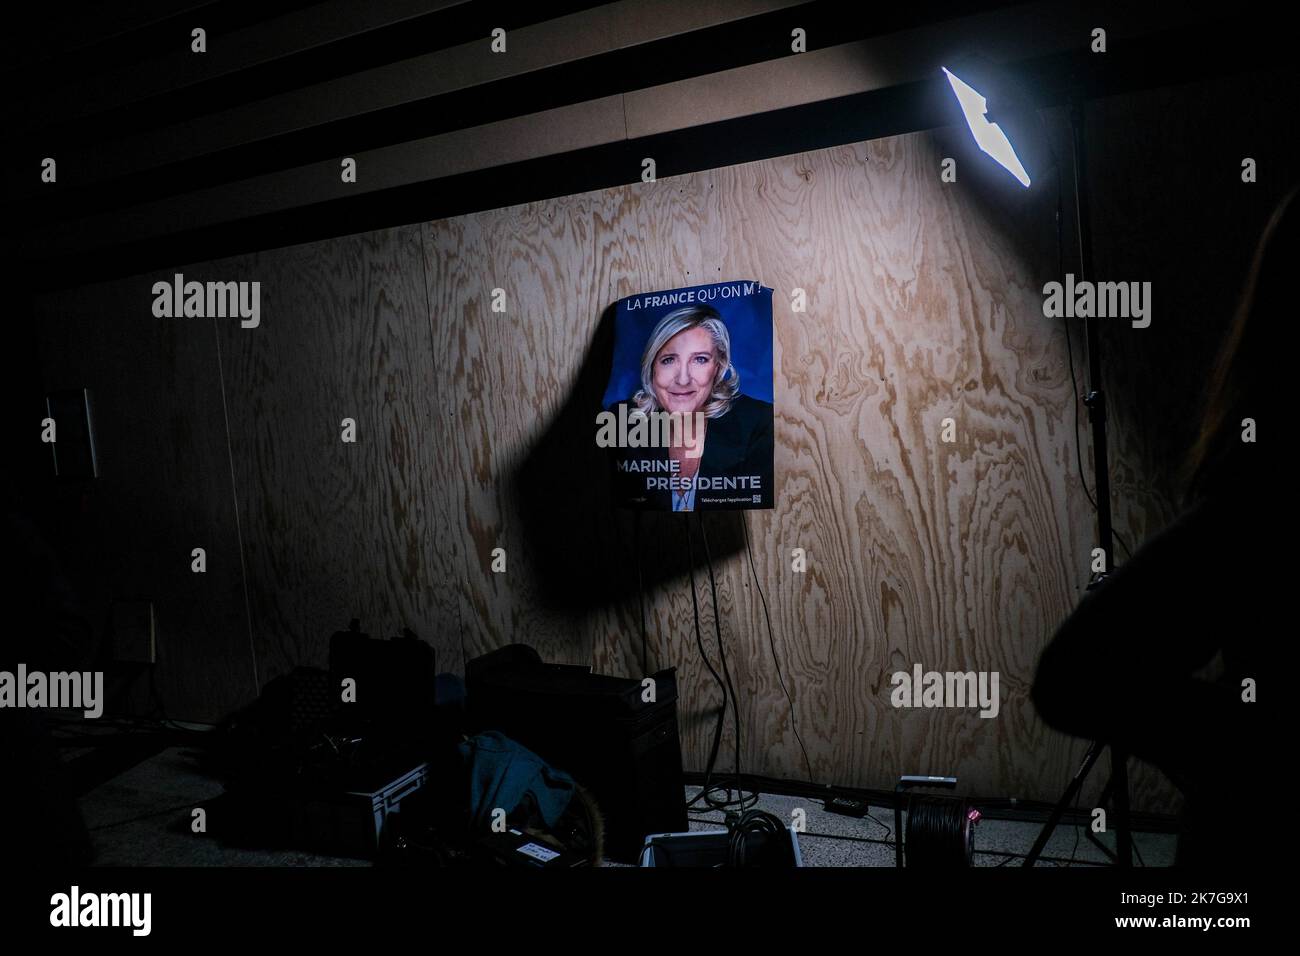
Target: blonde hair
column 726, row 380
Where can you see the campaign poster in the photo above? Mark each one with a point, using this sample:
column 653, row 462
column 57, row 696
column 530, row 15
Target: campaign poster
column 688, row 414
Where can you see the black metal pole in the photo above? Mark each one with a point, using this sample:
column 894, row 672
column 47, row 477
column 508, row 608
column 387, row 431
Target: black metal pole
column 1096, row 402
column 1058, row 811
column 1117, row 786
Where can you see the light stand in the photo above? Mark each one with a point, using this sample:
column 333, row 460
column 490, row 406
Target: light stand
column 992, row 140
column 1117, row 787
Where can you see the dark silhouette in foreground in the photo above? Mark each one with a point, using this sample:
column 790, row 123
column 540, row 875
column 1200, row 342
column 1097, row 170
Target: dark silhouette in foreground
column 1132, row 664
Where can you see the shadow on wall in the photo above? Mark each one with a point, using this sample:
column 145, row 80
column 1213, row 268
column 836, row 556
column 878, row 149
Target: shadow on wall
column 582, row 549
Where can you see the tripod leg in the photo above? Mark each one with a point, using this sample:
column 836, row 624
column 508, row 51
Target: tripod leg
column 1067, row 800
column 1103, row 799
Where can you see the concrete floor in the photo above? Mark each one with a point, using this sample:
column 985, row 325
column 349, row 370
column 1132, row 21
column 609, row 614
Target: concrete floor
column 834, row 840
column 142, row 817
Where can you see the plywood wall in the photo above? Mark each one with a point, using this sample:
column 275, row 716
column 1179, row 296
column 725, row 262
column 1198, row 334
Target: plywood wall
column 164, row 489
column 475, row 433
column 959, row 556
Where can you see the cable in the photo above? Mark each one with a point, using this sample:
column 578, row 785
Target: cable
column 771, row 640
column 699, row 642
column 940, row 833
column 741, row 800
column 758, row 823
column 1069, row 344
column 889, row 843
column 717, row 630
column 640, row 589
column 1078, row 223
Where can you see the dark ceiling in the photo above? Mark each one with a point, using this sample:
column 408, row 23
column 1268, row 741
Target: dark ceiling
column 167, row 156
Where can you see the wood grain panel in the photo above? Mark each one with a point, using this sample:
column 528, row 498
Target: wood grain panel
column 679, row 243
column 334, row 530
column 475, row 428
column 503, row 376
column 924, row 304
column 165, row 488
column 896, row 523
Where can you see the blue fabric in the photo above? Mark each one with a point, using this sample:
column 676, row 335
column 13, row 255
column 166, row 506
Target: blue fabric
column 502, row 773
